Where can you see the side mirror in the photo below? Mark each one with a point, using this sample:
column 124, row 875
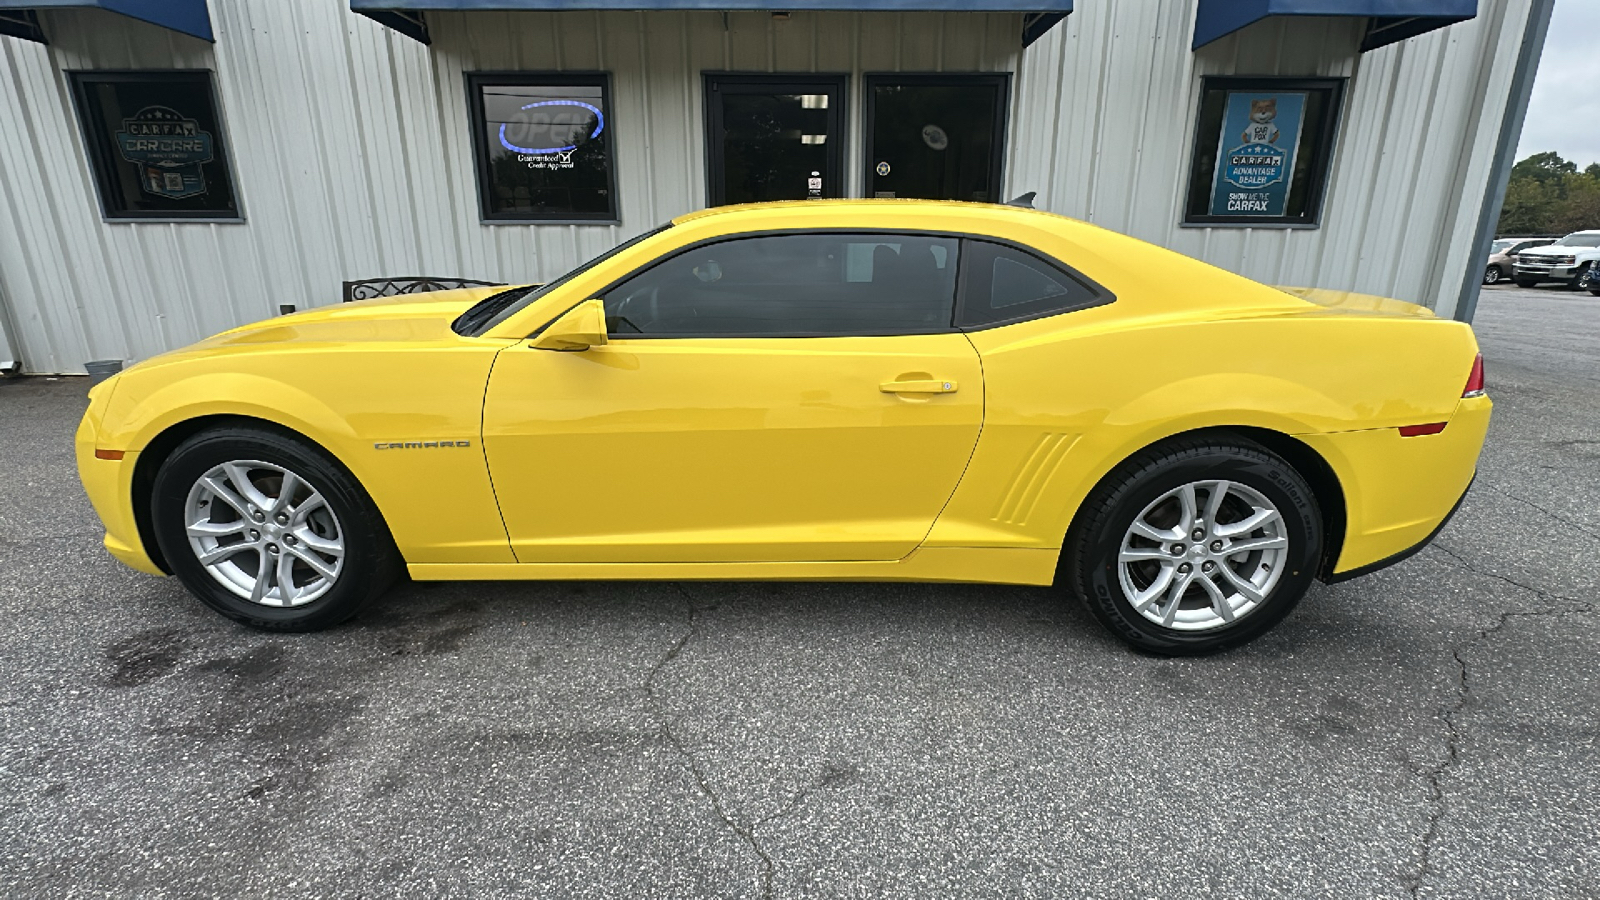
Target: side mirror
column 582, row 327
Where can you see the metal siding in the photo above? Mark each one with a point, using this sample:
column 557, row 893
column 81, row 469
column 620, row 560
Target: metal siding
column 1112, row 97
column 352, row 158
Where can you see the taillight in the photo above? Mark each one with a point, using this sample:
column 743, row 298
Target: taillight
column 1475, row 380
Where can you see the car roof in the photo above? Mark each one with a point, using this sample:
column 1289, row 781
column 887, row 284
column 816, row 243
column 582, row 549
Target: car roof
column 861, row 204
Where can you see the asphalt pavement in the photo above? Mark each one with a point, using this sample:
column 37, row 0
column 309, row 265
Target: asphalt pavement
column 1429, row 731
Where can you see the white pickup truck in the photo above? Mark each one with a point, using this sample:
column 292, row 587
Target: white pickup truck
column 1565, row 261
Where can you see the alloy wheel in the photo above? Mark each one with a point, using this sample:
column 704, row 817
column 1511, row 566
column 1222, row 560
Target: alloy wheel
column 1203, row 555
column 264, row 533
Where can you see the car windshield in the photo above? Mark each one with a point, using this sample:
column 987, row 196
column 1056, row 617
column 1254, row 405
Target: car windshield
column 1586, row 239
column 1501, row 247
column 493, row 310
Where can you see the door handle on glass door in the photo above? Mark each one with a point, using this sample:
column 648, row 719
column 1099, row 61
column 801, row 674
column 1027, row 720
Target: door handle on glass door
column 918, row 387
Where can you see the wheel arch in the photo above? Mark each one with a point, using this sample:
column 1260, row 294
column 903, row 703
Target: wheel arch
column 1311, row 465
column 160, row 447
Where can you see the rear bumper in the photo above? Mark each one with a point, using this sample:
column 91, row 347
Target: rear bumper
column 1403, row 555
column 1399, row 491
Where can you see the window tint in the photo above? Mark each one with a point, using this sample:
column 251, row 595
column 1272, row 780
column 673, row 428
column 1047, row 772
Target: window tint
column 1580, row 240
column 1003, row 284
column 793, row 284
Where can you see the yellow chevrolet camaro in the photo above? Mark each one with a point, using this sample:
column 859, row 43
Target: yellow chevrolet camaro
column 835, row 390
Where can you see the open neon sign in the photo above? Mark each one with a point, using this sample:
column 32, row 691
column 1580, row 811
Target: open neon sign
column 599, row 126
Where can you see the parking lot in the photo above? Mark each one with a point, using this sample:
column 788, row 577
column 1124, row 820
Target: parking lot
column 1430, row 731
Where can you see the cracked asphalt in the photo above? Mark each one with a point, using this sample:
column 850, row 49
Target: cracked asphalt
column 1429, row 731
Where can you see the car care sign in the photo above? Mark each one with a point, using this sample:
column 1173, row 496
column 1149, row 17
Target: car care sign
column 1255, row 158
column 169, row 149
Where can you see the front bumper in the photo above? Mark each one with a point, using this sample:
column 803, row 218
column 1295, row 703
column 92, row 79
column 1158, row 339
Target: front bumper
column 109, row 484
column 1546, row 273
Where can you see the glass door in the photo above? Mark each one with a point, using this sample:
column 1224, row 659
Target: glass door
column 936, row 136
column 774, row 137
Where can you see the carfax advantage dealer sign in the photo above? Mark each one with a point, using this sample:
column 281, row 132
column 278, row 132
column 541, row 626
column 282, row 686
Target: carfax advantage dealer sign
column 1255, row 159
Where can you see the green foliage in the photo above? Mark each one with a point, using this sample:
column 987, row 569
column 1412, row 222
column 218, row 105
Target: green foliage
column 1549, row 195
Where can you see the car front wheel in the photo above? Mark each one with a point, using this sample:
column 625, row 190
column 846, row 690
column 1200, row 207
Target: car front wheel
column 1492, row 275
column 1196, row 547
column 268, row 531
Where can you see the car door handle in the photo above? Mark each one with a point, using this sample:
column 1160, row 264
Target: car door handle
column 918, row 387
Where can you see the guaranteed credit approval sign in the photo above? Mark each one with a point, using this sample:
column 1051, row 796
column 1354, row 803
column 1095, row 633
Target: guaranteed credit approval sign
column 1256, row 154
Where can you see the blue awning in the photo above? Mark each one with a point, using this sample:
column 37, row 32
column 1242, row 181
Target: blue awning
column 19, row 18
column 1388, row 21
column 406, row 16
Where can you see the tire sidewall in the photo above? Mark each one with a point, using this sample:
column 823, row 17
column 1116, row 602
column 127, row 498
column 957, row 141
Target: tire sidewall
column 1274, row 478
column 364, row 560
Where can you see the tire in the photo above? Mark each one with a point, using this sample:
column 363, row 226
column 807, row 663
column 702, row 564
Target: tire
column 325, row 518
column 1578, row 278
column 1149, row 488
column 1492, row 275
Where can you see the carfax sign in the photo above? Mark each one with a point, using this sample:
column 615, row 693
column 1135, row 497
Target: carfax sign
column 169, row 149
column 1255, row 158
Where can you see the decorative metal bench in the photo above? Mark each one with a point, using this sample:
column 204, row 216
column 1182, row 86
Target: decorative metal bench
column 390, row 287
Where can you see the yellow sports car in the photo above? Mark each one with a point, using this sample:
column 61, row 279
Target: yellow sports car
column 832, row 390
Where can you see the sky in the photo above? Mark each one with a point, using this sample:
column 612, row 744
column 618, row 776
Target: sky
column 1564, row 114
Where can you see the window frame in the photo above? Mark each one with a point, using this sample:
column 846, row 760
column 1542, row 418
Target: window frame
column 1000, row 80
column 1099, row 295
column 1321, row 167
column 480, row 153
column 101, row 152
column 1102, row 296
column 955, row 284
column 716, row 130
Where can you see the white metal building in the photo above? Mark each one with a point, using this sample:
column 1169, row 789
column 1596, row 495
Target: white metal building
column 178, row 167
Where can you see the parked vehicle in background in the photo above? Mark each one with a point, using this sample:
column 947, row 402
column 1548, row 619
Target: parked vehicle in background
column 1591, row 281
column 1566, row 260
column 1502, row 251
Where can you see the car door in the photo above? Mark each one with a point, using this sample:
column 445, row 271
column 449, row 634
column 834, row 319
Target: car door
column 783, row 397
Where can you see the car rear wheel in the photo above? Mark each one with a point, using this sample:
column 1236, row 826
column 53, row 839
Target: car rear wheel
column 1492, row 275
column 268, row 531
column 1195, row 547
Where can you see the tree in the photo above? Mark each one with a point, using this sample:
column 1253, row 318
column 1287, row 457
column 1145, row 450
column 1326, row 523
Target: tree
column 1548, row 195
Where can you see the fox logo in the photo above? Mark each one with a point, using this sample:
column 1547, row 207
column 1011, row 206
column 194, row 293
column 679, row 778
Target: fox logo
column 1261, row 130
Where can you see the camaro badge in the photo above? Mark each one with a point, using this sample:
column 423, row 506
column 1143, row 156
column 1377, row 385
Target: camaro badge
column 418, row 445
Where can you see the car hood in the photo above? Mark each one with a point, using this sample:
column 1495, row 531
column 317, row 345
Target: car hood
column 411, row 317
column 1554, row 250
column 1352, row 303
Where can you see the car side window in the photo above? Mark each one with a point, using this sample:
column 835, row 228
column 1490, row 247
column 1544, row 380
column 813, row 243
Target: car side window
column 792, row 285
column 1005, row 284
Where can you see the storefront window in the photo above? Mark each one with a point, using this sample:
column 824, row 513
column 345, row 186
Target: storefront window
column 1262, row 149
column 936, row 137
column 543, row 145
column 155, row 144
column 774, row 137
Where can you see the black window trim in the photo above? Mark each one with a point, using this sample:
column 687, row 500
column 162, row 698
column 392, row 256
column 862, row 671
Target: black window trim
column 1321, row 166
column 479, row 130
column 101, row 165
column 1099, row 296
column 1102, row 296
column 1001, row 80
column 835, row 178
